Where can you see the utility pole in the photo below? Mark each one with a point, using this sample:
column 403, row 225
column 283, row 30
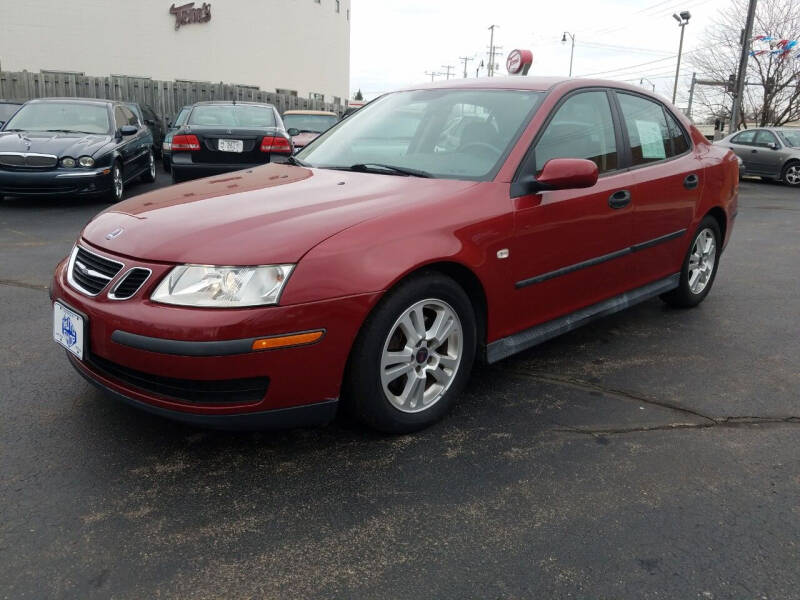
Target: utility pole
column 683, row 21
column 449, row 70
column 572, row 50
column 433, row 74
column 466, row 59
column 490, row 67
column 691, row 96
column 742, row 75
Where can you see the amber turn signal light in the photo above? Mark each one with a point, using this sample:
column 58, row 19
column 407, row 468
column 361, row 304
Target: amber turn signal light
column 285, row 341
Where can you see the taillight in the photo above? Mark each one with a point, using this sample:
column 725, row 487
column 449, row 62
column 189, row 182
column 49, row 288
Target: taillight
column 275, row 143
column 185, row 143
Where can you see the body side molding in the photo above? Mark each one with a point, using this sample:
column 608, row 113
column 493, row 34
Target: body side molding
column 537, row 334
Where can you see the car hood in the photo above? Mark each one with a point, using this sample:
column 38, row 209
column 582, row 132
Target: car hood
column 267, row 215
column 302, row 139
column 58, row 144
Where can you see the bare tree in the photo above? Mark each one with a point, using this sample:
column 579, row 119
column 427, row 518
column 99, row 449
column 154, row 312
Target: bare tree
column 772, row 96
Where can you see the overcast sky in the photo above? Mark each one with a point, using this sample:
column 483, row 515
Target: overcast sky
column 394, row 42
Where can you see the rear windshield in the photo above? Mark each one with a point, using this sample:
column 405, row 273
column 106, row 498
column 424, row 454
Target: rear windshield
column 232, row 115
column 6, row 110
column 61, row 116
column 309, row 123
column 791, row 137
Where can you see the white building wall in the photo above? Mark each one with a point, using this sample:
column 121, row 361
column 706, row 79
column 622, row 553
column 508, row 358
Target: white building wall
column 301, row 45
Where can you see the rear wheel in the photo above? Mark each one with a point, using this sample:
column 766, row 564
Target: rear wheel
column 149, row 176
column 791, row 174
column 699, row 266
column 413, row 355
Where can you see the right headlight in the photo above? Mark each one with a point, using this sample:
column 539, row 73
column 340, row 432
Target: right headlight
column 222, row 287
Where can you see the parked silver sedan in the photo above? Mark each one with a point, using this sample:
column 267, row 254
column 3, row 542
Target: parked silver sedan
column 768, row 152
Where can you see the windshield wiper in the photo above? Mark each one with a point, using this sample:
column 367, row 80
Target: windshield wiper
column 66, row 131
column 373, row 167
column 296, row 161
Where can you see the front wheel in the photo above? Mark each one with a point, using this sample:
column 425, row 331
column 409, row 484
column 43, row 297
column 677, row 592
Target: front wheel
column 413, row 355
column 791, row 174
column 699, row 267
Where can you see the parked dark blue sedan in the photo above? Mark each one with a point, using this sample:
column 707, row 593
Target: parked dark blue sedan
column 74, row 147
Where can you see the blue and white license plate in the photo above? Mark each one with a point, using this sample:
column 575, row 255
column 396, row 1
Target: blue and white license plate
column 68, row 329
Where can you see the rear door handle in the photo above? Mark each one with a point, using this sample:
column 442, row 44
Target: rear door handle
column 619, row 199
column 691, row 181
column 754, row 151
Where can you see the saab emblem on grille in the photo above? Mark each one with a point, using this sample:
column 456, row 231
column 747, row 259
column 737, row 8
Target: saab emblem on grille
column 114, row 234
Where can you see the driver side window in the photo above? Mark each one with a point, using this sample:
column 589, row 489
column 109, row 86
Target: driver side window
column 582, row 127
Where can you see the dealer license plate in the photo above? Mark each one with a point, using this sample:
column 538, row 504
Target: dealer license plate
column 68, row 329
column 230, row 145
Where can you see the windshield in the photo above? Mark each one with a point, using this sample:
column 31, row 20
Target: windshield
column 790, row 137
column 311, row 123
column 455, row 134
column 61, row 116
column 6, row 110
column 232, row 115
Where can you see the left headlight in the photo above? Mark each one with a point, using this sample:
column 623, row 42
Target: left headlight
column 222, row 287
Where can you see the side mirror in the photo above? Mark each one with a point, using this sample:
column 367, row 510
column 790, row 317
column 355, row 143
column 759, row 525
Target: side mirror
column 773, row 145
column 558, row 174
column 2, row 123
column 128, row 130
column 567, row 174
column 169, row 123
column 293, row 131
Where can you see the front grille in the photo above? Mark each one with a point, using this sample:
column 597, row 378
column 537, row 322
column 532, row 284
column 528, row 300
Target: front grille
column 129, row 284
column 195, row 391
column 91, row 273
column 42, row 161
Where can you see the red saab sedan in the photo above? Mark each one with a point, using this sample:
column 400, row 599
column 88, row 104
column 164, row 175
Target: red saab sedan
column 437, row 226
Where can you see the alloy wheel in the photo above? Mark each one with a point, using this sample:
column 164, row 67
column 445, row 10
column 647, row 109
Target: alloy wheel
column 792, row 175
column 421, row 355
column 116, row 174
column 702, row 261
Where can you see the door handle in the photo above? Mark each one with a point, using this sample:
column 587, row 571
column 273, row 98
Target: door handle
column 753, row 151
column 619, row 199
column 691, row 181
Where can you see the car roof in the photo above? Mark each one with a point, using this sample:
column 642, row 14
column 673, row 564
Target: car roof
column 324, row 113
column 535, row 84
column 76, row 100
column 4, row 101
column 231, row 102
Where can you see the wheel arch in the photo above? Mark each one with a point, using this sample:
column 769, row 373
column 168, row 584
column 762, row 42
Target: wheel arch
column 718, row 214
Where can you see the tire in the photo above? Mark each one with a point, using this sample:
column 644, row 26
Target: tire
column 791, row 174
column 149, row 176
column 117, row 183
column 692, row 290
column 430, row 378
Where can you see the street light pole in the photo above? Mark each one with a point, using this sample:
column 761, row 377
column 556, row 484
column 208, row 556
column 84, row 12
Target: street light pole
column 683, row 21
column 572, row 49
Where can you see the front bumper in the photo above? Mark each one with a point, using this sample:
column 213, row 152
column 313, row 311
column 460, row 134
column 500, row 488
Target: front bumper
column 73, row 182
column 183, row 386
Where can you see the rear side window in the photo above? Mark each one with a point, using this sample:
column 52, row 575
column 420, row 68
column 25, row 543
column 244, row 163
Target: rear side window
column 680, row 143
column 746, row 137
column 582, row 127
column 646, row 123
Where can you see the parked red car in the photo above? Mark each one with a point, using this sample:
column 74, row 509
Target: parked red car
column 437, row 225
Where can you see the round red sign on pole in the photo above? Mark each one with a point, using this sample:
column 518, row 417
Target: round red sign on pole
column 519, row 62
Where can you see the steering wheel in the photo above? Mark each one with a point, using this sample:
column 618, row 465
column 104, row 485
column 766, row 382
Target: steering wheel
column 481, row 146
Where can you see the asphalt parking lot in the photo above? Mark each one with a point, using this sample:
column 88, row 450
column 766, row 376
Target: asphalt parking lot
column 653, row 454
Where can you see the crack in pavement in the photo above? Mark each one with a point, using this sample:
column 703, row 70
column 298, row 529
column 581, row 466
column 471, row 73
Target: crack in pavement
column 22, row 284
column 731, row 421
